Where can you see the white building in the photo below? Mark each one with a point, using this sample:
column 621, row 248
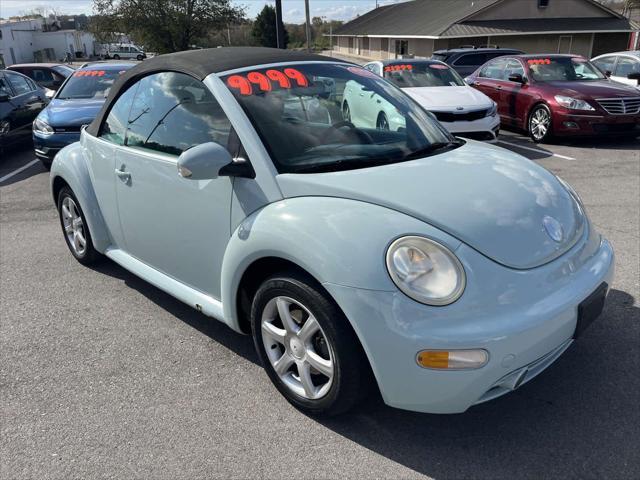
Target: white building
column 24, row 41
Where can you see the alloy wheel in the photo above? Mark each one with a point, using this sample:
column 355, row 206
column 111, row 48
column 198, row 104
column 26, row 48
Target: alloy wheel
column 382, row 123
column 346, row 112
column 73, row 226
column 297, row 348
column 540, row 123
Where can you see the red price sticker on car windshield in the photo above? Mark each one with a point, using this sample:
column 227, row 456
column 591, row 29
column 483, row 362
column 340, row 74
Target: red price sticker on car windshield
column 89, row 73
column 398, row 68
column 254, row 82
column 539, row 61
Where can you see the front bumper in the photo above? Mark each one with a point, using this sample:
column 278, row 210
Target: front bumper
column 524, row 318
column 566, row 123
column 48, row 146
column 484, row 129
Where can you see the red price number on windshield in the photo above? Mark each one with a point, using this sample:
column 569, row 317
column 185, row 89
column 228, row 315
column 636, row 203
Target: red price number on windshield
column 89, row 73
column 264, row 82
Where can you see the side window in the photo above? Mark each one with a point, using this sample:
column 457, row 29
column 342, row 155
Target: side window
column 114, row 128
column 40, row 75
column 494, row 69
column 5, row 89
column 605, row 63
column 626, row 66
column 513, row 67
column 19, row 83
column 471, row 60
column 173, row 112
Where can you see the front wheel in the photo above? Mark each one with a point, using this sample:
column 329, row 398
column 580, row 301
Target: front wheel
column 346, row 112
column 306, row 345
column 382, row 123
column 140, row 57
column 540, row 122
column 116, row 57
column 75, row 229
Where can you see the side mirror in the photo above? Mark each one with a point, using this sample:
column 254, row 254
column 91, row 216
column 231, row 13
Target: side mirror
column 4, row 97
column 634, row 76
column 516, row 77
column 211, row 160
column 607, row 73
column 203, row 162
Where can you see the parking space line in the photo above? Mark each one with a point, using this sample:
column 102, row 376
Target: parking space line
column 536, row 150
column 21, row 169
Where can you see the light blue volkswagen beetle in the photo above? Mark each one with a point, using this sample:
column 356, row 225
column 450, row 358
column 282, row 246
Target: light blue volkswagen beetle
column 446, row 272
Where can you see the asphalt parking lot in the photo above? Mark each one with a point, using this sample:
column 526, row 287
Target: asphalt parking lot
column 104, row 376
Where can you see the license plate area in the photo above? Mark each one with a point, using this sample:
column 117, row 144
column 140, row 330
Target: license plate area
column 590, row 309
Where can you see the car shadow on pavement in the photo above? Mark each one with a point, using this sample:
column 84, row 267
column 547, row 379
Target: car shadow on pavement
column 217, row 331
column 578, row 419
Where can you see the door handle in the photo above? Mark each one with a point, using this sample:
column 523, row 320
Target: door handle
column 499, row 87
column 122, row 174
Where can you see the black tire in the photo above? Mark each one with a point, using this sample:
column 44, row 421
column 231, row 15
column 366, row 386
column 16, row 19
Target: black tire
column 537, row 113
column 352, row 375
column 90, row 255
column 346, row 111
column 116, row 57
column 382, row 123
column 140, row 57
column 46, row 163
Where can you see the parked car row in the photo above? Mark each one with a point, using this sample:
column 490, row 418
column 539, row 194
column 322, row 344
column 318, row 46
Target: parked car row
column 51, row 103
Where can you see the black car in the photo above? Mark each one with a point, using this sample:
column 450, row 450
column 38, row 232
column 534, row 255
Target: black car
column 465, row 61
column 20, row 103
column 48, row 75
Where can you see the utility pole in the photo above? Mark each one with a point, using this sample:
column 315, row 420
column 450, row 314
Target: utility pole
column 279, row 25
column 308, row 25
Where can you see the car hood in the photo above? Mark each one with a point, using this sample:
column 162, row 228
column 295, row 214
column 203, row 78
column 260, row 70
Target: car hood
column 493, row 200
column 448, row 98
column 592, row 89
column 72, row 113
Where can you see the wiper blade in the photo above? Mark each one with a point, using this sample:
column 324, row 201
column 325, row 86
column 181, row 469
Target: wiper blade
column 434, row 147
column 343, row 164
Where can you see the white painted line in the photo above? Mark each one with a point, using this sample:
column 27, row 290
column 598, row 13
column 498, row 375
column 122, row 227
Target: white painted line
column 536, row 150
column 21, row 169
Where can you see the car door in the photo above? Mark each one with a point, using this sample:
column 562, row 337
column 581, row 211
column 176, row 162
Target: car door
column 510, row 106
column 176, row 225
column 28, row 101
column 489, row 79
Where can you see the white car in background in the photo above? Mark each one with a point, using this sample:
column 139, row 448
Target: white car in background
column 623, row 67
column 461, row 109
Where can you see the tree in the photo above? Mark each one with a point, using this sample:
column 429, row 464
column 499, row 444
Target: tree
column 264, row 28
column 168, row 25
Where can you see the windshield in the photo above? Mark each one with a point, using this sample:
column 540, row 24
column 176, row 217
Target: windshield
column 422, row 74
column 85, row 84
column 327, row 117
column 63, row 70
column 563, row 69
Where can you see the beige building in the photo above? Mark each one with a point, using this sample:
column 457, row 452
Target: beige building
column 419, row 27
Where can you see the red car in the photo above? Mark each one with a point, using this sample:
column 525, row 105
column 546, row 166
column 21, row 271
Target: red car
column 558, row 95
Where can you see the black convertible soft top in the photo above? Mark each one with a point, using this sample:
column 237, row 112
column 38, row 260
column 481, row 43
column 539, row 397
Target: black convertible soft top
column 200, row 64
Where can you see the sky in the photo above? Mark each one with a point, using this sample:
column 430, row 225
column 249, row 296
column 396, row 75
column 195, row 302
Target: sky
column 293, row 10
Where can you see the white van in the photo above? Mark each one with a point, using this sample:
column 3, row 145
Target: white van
column 124, row 51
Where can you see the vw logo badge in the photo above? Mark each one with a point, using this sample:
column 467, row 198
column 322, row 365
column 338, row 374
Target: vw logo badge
column 553, row 228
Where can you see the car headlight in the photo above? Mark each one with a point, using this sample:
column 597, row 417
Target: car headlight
column 42, row 127
column 573, row 103
column 425, row 271
column 493, row 110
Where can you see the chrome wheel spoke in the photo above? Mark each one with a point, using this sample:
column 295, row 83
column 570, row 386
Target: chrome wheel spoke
column 285, row 316
column 304, row 371
column 282, row 365
column 81, row 240
column 273, row 332
column 66, row 214
column 308, row 329
column 325, row 367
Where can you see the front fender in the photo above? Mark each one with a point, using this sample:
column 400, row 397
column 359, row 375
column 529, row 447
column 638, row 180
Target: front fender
column 70, row 165
column 336, row 240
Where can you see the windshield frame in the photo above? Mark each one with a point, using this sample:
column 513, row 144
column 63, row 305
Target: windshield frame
column 426, row 63
column 442, row 141
column 59, row 93
column 532, row 76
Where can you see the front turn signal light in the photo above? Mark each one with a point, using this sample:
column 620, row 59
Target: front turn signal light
column 452, row 359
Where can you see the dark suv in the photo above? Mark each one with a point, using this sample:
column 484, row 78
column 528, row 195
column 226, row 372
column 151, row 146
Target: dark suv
column 465, row 61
